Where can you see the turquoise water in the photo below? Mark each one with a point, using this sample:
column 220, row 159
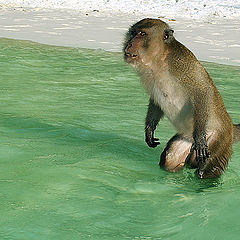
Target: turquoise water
column 73, row 161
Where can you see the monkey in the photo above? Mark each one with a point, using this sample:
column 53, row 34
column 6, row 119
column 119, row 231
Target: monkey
column 182, row 90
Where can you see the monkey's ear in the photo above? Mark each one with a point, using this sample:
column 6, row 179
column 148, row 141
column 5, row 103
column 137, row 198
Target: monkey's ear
column 168, row 35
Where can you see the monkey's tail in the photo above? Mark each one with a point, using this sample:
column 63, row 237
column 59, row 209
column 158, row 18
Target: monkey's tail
column 236, row 133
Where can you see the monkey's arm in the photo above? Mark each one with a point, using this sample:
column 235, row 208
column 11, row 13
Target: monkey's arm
column 201, row 107
column 154, row 114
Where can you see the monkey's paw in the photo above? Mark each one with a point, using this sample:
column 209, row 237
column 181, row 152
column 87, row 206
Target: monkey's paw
column 150, row 139
column 202, row 153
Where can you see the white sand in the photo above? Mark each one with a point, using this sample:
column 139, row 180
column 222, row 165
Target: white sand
column 194, row 9
column 213, row 40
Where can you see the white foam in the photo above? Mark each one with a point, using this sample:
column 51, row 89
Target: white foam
column 171, row 8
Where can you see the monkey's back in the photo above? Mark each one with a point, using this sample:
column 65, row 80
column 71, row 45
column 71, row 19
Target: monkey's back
column 192, row 77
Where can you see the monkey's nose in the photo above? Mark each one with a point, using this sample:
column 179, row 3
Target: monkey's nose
column 129, row 46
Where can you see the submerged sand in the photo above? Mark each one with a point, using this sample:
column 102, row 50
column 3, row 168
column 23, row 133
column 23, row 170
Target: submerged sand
column 214, row 40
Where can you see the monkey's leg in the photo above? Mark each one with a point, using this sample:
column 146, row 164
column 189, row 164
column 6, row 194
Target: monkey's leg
column 178, row 152
column 220, row 148
column 174, row 156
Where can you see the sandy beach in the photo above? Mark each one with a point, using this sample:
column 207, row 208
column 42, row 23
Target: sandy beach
column 214, row 40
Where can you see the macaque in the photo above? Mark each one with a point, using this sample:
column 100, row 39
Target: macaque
column 182, row 90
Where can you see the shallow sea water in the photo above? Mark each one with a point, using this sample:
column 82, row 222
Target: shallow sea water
column 73, row 161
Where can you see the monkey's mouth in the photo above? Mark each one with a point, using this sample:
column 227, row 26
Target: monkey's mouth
column 129, row 57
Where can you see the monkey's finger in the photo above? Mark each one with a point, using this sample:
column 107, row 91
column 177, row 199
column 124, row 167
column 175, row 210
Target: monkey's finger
column 204, row 159
column 200, row 158
column 208, row 154
column 155, row 144
column 199, row 153
column 204, row 154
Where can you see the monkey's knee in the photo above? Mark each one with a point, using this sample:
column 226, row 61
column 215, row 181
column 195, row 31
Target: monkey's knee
column 170, row 163
column 174, row 156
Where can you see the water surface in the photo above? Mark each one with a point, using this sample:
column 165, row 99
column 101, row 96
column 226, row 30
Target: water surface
column 73, row 161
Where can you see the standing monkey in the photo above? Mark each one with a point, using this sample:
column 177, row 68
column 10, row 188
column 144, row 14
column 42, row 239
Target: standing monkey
column 182, row 90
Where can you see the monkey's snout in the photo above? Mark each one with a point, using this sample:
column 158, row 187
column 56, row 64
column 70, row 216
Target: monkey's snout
column 128, row 52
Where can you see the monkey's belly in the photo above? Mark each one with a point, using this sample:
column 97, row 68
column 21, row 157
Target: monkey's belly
column 176, row 107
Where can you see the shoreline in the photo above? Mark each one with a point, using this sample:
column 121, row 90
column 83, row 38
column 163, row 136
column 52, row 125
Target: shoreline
column 212, row 41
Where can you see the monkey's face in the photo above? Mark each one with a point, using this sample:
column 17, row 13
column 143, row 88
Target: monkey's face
column 145, row 42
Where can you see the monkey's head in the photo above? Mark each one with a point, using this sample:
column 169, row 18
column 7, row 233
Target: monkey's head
column 146, row 42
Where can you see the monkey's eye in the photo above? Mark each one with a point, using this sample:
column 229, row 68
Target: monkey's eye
column 166, row 36
column 142, row 33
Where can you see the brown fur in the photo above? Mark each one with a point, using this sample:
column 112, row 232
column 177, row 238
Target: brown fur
column 180, row 88
column 236, row 135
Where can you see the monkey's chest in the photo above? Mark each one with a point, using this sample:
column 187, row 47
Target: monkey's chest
column 174, row 103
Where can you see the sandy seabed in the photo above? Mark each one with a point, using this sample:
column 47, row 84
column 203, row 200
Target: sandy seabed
column 214, row 40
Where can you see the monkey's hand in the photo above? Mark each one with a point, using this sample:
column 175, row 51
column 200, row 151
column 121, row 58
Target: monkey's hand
column 149, row 137
column 202, row 154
